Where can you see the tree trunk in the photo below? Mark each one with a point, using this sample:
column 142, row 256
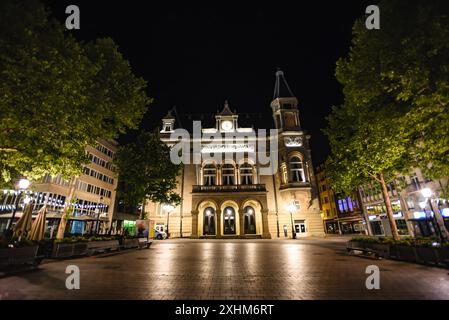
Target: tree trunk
column 394, row 229
column 68, row 201
column 142, row 212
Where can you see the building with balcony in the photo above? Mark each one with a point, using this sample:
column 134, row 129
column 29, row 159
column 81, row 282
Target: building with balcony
column 93, row 197
column 240, row 182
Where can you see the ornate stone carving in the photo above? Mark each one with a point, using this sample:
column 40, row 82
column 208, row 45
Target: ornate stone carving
column 295, row 141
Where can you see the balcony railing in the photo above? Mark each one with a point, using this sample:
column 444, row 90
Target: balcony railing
column 295, row 185
column 231, row 188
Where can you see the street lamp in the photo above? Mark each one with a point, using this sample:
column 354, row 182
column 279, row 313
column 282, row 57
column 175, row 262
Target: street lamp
column 168, row 207
column 291, row 207
column 22, row 185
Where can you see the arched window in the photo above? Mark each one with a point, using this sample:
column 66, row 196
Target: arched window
column 227, row 172
column 246, row 174
column 296, row 169
column 209, row 221
column 229, row 220
column 250, row 220
column 209, row 175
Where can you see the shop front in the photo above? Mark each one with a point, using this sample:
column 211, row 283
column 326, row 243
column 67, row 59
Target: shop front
column 331, row 226
column 378, row 219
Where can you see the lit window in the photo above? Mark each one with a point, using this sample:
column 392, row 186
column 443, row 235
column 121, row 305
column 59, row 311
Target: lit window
column 296, row 169
column 246, row 174
column 228, row 174
column 209, row 173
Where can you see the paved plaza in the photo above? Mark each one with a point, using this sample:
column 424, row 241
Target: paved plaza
column 230, row 269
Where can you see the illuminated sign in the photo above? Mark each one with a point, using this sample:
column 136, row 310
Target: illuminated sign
column 419, row 215
column 445, row 212
column 223, row 148
column 398, row 214
column 372, row 218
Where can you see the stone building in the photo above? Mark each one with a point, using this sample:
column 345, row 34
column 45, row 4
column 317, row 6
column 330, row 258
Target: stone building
column 240, row 182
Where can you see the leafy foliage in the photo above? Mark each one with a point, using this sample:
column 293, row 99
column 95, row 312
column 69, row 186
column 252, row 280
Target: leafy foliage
column 58, row 95
column 396, row 88
column 146, row 171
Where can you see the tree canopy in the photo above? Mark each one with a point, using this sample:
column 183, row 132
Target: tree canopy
column 146, row 171
column 396, row 89
column 58, row 95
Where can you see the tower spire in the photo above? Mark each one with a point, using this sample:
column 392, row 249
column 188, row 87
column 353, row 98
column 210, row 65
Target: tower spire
column 281, row 88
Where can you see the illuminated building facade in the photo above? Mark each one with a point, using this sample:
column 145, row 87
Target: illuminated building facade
column 231, row 190
column 94, row 195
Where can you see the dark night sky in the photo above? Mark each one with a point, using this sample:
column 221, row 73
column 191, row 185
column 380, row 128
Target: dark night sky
column 195, row 57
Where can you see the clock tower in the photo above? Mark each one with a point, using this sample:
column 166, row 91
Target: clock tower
column 226, row 120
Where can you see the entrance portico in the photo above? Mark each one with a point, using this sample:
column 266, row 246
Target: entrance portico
column 216, row 216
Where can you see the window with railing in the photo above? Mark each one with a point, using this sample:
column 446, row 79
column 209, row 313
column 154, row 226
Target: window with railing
column 227, row 173
column 209, row 174
column 246, row 174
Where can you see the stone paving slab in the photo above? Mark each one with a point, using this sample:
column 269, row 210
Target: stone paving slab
column 230, row 269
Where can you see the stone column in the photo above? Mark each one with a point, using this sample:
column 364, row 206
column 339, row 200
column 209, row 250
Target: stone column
column 265, row 231
column 237, row 174
column 218, row 175
column 242, row 223
column 194, row 224
column 201, row 182
column 218, row 217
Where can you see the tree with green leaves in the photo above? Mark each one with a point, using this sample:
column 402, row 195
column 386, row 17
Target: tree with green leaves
column 396, row 88
column 58, row 95
column 146, row 171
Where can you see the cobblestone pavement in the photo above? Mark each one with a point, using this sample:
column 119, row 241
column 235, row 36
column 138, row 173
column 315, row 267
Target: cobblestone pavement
column 230, row 269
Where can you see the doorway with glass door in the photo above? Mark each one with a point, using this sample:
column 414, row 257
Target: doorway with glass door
column 229, row 221
column 300, row 227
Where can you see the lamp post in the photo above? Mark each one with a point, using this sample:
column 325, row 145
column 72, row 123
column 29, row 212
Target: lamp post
column 22, row 185
column 427, row 194
column 168, row 208
column 291, row 207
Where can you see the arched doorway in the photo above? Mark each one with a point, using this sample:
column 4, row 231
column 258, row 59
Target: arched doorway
column 229, row 220
column 250, row 220
column 209, row 221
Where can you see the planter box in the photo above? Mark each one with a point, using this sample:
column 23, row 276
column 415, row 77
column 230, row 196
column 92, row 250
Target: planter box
column 382, row 250
column 427, row 255
column 443, row 257
column 102, row 246
column 130, row 243
column 18, row 256
column 405, row 253
column 67, row 250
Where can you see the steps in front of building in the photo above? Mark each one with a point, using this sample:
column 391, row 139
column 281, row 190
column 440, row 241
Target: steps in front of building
column 233, row 236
